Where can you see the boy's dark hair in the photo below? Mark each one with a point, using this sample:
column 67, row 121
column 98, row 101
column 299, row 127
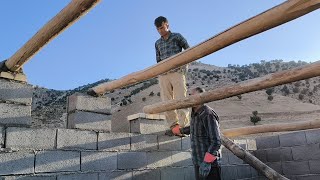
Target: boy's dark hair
column 199, row 89
column 159, row 20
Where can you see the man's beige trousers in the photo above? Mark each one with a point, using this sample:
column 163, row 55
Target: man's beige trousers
column 173, row 86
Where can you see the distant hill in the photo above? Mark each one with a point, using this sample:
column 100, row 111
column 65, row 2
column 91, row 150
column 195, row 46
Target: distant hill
column 49, row 105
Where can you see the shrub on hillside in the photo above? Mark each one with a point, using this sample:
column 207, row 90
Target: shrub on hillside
column 269, row 91
column 270, row 97
column 239, row 97
column 255, row 118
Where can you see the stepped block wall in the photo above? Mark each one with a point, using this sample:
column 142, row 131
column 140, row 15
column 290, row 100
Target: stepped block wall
column 15, row 103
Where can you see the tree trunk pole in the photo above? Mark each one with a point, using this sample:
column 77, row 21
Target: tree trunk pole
column 73, row 11
column 267, row 81
column 276, row 16
column 251, row 160
column 278, row 127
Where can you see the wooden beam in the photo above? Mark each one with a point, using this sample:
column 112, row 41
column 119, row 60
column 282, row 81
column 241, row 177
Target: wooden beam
column 267, row 81
column 64, row 19
column 278, row 127
column 276, row 16
column 251, row 160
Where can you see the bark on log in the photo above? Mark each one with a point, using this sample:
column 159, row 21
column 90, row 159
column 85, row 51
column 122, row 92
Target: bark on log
column 270, row 80
column 73, row 11
column 251, row 160
column 276, row 16
column 279, row 127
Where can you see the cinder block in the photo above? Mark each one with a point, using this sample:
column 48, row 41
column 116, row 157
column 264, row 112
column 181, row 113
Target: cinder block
column 186, row 144
column 313, row 136
column 169, row 142
column 159, row 159
column 267, row 142
column 96, row 161
column 295, row 167
column 57, row 161
column 286, row 154
column 84, row 102
column 30, row 138
column 16, row 92
column 79, row 176
column 113, row 141
column 308, row 177
column 273, row 155
column 241, row 142
column 251, row 144
column 1, row 136
column 132, row 160
column 116, row 175
column 244, row 171
column 16, row 163
column 181, row 159
column 89, row 120
column 224, row 158
column 153, row 174
column 233, row 159
column 254, row 172
column 145, row 126
column 310, row 151
column 144, row 142
column 261, row 155
column 189, row 173
column 293, row 139
column 275, row 166
column 172, row 173
column 76, row 139
column 33, row 177
column 315, row 166
column 15, row 115
column 229, row 172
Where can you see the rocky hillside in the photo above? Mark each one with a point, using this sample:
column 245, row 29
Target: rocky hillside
column 49, row 105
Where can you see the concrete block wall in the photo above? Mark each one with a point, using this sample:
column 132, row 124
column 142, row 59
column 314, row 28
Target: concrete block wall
column 31, row 153
column 87, row 112
column 296, row 155
column 15, row 103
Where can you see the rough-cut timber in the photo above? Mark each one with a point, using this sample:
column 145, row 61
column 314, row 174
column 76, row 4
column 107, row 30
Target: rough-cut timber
column 267, row 81
column 54, row 27
column 250, row 159
column 276, row 16
column 279, row 127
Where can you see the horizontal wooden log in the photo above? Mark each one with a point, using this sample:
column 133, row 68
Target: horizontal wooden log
column 267, row 81
column 278, row 127
column 276, row 16
column 251, row 160
column 73, row 11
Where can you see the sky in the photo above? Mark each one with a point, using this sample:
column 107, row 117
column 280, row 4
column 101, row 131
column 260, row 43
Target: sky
column 117, row 37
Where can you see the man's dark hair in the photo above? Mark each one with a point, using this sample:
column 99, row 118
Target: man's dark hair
column 199, row 89
column 159, row 20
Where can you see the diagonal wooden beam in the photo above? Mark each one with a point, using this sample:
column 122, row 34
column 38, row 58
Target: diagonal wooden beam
column 278, row 127
column 251, row 160
column 276, row 16
column 64, row 19
column 267, row 81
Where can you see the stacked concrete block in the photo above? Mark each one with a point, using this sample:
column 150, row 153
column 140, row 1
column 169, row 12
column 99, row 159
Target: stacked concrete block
column 16, row 163
column 1, row 136
column 15, row 103
column 147, row 123
column 76, row 139
column 87, row 112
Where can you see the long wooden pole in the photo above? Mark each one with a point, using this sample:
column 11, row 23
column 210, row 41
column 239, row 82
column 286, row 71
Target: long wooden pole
column 276, row 16
column 73, row 11
column 251, row 160
column 278, row 127
column 267, row 81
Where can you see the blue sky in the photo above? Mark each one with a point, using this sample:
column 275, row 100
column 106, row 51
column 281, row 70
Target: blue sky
column 117, row 37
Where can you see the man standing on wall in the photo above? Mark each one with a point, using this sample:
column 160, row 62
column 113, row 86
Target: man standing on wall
column 173, row 83
column 205, row 140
